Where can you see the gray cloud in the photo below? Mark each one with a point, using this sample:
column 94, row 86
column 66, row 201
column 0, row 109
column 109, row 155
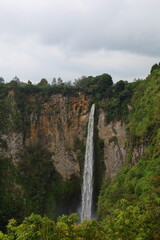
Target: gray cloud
column 47, row 38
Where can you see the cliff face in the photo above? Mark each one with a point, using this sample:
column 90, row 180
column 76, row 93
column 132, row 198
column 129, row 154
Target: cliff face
column 42, row 144
column 56, row 124
column 11, row 146
column 114, row 137
column 59, row 124
column 42, row 149
column 62, row 120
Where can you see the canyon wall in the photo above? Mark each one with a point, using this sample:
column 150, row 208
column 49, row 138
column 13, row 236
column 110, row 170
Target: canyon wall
column 114, row 137
column 60, row 126
column 42, row 149
column 61, row 123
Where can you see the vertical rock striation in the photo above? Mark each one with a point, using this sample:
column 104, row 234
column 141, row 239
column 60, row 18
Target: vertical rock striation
column 114, row 136
column 61, row 121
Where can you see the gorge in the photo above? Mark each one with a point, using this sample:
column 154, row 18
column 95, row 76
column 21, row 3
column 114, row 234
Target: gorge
column 43, row 140
column 43, row 135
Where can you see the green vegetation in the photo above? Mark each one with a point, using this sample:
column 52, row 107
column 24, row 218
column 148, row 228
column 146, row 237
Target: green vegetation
column 99, row 166
column 146, row 109
column 35, row 227
column 34, row 186
column 113, row 140
column 15, row 103
column 136, row 188
column 116, row 103
column 30, row 186
column 11, row 195
column 128, row 205
column 80, row 148
column 127, row 224
column 37, row 176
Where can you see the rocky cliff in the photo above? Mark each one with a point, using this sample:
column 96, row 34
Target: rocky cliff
column 114, row 137
column 59, row 124
column 42, row 148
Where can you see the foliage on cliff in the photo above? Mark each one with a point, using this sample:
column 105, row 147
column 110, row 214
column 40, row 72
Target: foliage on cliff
column 14, row 109
column 87, row 85
column 33, row 185
column 25, row 187
column 138, row 186
column 128, row 206
column 127, row 224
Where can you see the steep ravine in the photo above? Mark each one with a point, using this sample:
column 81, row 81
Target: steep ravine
column 59, row 124
column 43, row 159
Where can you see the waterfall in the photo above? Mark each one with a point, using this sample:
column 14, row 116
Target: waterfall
column 87, row 188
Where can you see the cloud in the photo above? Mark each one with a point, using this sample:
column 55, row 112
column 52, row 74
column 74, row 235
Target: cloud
column 114, row 25
column 121, row 64
column 75, row 37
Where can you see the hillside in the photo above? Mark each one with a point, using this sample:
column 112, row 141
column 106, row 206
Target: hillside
column 42, row 146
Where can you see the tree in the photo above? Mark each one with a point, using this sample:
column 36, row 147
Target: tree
column 105, row 80
column 83, row 82
column 32, row 228
column 120, row 86
column 54, row 81
column 59, row 80
column 16, row 79
column 155, row 67
column 3, row 236
column 43, row 82
column 15, row 82
column 1, row 80
column 29, row 83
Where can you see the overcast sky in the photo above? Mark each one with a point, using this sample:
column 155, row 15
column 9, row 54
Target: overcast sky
column 71, row 38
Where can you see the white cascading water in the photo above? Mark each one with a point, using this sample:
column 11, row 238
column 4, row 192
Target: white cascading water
column 87, row 188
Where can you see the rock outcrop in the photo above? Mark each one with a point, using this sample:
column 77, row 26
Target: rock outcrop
column 56, row 122
column 114, row 136
column 59, row 123
column 11, row 146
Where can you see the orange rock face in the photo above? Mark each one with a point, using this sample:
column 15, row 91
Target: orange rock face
column 57, row 125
